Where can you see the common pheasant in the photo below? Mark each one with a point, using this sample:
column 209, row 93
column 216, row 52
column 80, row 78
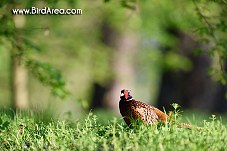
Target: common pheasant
column 132, row 110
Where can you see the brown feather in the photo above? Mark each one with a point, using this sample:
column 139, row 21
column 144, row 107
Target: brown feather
column 132, row 110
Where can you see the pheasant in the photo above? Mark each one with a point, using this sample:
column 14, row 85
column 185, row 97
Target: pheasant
column 132, row 110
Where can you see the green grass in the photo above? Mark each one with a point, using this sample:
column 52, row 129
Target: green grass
column 24, row 132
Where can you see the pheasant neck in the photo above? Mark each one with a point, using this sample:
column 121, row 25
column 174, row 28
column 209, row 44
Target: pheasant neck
column 129, row 99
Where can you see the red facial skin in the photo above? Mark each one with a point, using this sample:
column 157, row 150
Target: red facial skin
column 126, row 94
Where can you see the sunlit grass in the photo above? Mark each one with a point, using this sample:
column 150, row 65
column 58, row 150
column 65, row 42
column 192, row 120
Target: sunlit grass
column 24, row 132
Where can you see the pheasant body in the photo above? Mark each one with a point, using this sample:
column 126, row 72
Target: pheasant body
column 132, row 110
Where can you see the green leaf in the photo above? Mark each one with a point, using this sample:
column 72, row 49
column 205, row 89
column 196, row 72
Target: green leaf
column 5, row 125
column 223, row 78
column 31, row 45
column 130, row 4
column 106, row 1
column 49, row 76
column 198, row 52
column 2, row 3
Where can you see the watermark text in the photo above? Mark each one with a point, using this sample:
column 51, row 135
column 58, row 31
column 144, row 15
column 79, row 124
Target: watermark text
column 46, row 11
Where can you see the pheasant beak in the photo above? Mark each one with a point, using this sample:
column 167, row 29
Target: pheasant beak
column 122, row 94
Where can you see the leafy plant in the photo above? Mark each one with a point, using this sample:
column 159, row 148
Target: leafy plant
column 176, row 113
column 212, row 15
column 3, row 124
column 22, row 48
column 88, row 134
column 48, row 76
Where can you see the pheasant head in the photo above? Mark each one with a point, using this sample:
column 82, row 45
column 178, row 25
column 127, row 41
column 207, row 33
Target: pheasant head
column 125, row 95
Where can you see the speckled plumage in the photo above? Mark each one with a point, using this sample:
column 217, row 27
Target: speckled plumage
column 132, row 110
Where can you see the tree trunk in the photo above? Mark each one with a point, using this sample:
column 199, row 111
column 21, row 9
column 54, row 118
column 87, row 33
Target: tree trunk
column 194, row 89
column 18, row 84
column 124, row 47
column 123, row 68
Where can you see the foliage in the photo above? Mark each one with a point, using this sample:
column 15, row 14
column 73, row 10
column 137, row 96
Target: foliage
column 48, row 76
column 89, row 58
column 130, row 4
column 22, row 48
column 176, row 114
column 24, row 133
column 204, row 18
column 213, row 32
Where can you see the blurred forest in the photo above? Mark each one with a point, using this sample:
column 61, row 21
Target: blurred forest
column 163, row 51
